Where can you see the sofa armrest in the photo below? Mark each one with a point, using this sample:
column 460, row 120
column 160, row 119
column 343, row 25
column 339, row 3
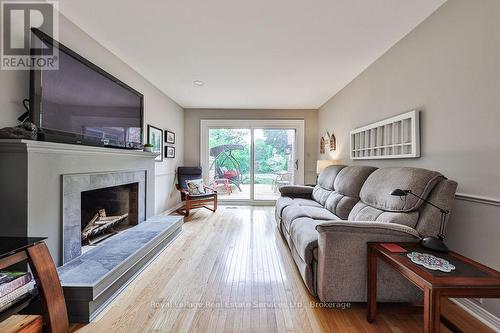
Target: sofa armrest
column 342, row 261
column 296, row 191
column 368, row 228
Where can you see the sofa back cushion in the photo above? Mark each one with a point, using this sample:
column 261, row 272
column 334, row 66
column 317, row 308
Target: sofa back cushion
column 442, row 196
column 347, row 186
column 364, row 212
column 377, row 204
column 377, row 188
column 326, row 181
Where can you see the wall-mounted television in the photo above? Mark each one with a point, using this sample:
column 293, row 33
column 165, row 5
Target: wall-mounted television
column 80, row 103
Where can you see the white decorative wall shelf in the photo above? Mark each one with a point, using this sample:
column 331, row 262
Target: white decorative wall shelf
column 395, row 137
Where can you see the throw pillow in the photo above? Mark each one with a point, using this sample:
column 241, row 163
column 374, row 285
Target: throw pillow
column 195, row 186
column 231, row 174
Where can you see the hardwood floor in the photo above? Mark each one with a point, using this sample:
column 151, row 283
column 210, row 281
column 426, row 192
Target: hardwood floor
column 230, row 271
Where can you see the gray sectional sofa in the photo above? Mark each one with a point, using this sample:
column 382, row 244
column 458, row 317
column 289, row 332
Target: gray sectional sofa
column 327, row 226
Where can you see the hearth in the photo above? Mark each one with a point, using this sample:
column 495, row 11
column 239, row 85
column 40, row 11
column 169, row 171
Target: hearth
column 107, row 211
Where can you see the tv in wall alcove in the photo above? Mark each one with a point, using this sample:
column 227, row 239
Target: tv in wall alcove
column 80, row 103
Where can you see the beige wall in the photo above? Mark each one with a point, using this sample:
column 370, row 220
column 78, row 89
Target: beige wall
column 448, row 67
column 192, row 119
column 159, row 109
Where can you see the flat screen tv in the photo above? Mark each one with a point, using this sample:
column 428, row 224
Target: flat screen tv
column 81, row 103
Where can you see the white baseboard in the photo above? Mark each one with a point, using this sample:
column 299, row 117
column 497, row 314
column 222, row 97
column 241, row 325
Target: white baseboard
column 173, row 209
column 478, row 312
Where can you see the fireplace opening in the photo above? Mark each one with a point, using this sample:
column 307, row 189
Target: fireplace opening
column 107, row 211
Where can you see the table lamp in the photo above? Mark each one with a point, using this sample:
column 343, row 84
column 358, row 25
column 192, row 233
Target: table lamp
column 432, row 243
column 322, row 164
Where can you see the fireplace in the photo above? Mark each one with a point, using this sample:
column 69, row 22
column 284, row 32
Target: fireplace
column 107, row 211
column 117, row 198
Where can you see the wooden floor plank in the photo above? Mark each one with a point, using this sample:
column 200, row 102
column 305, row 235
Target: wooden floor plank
column 231, row 271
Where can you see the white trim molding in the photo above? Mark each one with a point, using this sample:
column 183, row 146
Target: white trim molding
column 478, row 199
column 46, row 147
column 173, row 209
column 478, row 312
column 296, row 124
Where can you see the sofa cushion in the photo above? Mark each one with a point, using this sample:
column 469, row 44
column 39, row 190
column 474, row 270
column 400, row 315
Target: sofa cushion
column 327, row 177
column 320, row 194
column 340, row 204
column 306, row 271
column 304, row 237
column 306, row 202
column 350, row 180
column 283, row 202
column 293, row 212
column 326, row 183
column 347, row 185
column 377, row 188
column 364, row 212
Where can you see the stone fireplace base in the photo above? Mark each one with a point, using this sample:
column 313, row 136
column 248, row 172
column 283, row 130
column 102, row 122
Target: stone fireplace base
column 95, row 278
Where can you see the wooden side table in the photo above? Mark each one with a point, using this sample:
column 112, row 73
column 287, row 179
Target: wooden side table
column 469, row 279
column 14, row 250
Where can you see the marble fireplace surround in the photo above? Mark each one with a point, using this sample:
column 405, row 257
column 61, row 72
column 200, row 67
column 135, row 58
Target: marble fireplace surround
column 72, row 187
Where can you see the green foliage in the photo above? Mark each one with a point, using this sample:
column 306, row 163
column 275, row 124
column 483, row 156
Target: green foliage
column 270, row 150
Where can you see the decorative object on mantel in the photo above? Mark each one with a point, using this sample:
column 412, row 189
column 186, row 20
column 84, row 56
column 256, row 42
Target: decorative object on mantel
column 25, row 130
column 327, row 140
column 396, row 137
column 155, row 138
column 148, row 148
column 169, row 152
column 431, row 262
column 169, row 137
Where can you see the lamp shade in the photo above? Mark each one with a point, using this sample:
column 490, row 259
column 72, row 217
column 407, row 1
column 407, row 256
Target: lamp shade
column 322, row 164
column 399, row 192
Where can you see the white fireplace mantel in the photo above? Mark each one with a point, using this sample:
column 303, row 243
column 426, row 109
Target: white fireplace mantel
column 31, row 175
column 14, row 145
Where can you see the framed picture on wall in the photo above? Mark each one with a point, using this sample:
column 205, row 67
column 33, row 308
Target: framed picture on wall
column 155, row 138
column 169, row 137
column 169, row 152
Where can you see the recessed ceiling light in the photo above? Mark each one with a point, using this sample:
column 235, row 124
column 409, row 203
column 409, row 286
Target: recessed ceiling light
column 198, row 83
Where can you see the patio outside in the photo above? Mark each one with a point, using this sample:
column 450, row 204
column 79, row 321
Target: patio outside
column 230, row 162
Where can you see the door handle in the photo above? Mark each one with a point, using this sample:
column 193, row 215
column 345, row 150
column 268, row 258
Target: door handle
column 296, row 164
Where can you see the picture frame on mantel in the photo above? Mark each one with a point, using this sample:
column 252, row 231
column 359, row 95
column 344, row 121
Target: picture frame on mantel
column 155, row 138
column 169, row 137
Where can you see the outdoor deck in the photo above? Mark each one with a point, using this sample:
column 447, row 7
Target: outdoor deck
column 262, row 192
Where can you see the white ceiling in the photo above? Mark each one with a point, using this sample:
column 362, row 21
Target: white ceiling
column 250, row 53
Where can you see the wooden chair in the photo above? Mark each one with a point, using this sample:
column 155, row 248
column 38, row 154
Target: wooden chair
column 194, row 201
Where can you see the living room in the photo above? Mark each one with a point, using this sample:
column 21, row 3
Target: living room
column 325, row 139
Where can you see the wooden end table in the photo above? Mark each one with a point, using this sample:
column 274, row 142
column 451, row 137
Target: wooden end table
column 14, row 250
column 470, row 279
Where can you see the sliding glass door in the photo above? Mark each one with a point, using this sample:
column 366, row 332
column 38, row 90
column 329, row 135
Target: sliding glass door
column 274, row 160
column 249, row 162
